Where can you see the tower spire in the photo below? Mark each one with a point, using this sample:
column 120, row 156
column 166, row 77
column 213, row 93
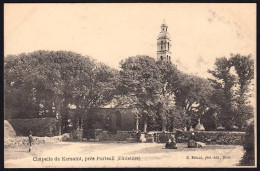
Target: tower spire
column 164, row 44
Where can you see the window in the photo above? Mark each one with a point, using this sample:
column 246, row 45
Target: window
column 161, row 57
column 168, row 46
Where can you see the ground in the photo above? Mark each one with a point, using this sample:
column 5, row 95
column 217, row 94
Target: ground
column 95, row 154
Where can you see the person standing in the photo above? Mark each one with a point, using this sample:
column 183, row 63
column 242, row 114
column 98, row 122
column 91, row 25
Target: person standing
column 138, row 135
column 192, row 142
column 30, row 137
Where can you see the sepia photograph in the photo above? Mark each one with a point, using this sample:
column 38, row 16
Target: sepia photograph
column 130, row 85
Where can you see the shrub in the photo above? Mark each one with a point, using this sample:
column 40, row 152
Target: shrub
column 249, row 156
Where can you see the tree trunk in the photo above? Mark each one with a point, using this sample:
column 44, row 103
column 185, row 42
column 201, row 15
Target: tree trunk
column 163, row 123
column 145, row 123
column 59, row 103
column 58, row 115
column 82, row 122
column 79, row 123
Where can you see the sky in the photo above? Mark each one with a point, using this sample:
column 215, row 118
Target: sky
column 112, row 32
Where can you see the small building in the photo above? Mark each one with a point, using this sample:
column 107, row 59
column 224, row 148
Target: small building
column 109, row 119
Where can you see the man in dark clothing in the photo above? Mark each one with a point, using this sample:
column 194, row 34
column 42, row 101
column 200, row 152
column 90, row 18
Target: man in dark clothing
column 192, row 142
column 138, row 135
column 30, row 141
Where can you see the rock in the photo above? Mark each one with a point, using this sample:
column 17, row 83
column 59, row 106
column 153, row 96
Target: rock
column 142, row 138
column 200, row 144
column 8, row 130
column 195, row 144
column 66, row 137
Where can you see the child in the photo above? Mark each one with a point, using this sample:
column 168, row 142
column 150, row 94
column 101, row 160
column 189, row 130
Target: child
column 30, row 141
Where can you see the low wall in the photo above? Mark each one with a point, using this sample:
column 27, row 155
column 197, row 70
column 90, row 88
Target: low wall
column 160, row 137
column 101, row 135
column 124, row 135
column 18, row 141
column 209, row 137
column 214, row 137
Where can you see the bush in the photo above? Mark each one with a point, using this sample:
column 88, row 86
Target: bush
column 39, row 126
column 249, row 156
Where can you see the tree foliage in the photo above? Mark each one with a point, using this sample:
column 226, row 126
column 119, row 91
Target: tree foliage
column 140, row 80
column 56, row 79
column 232, row 101
column 46, row 83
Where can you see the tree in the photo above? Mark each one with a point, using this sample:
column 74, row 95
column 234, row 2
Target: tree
column 191, row 94
column 248, row 158
column 223, row 94
column 140, row 80
column 232, row 101
column 169, row 74
column 244, row 67
column 95, row 90
column 58, row 78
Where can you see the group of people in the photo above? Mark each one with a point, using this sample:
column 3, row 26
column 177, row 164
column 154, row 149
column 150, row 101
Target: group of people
column 172, row 144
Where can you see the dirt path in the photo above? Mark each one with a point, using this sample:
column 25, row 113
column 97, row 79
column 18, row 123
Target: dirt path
column 141, row 155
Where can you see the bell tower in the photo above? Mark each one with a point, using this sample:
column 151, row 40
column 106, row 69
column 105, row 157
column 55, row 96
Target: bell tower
column 164, row 44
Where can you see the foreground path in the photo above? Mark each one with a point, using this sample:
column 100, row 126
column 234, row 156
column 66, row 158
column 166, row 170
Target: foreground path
column 89, row 155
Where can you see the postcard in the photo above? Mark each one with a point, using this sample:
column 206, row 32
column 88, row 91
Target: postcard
column 130, row 85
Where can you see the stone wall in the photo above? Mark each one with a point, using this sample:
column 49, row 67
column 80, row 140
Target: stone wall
column 18, row 141
column 208, row 137
column 124, row 135
column 214, row 137
column 160, row 137
column 101, row 135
